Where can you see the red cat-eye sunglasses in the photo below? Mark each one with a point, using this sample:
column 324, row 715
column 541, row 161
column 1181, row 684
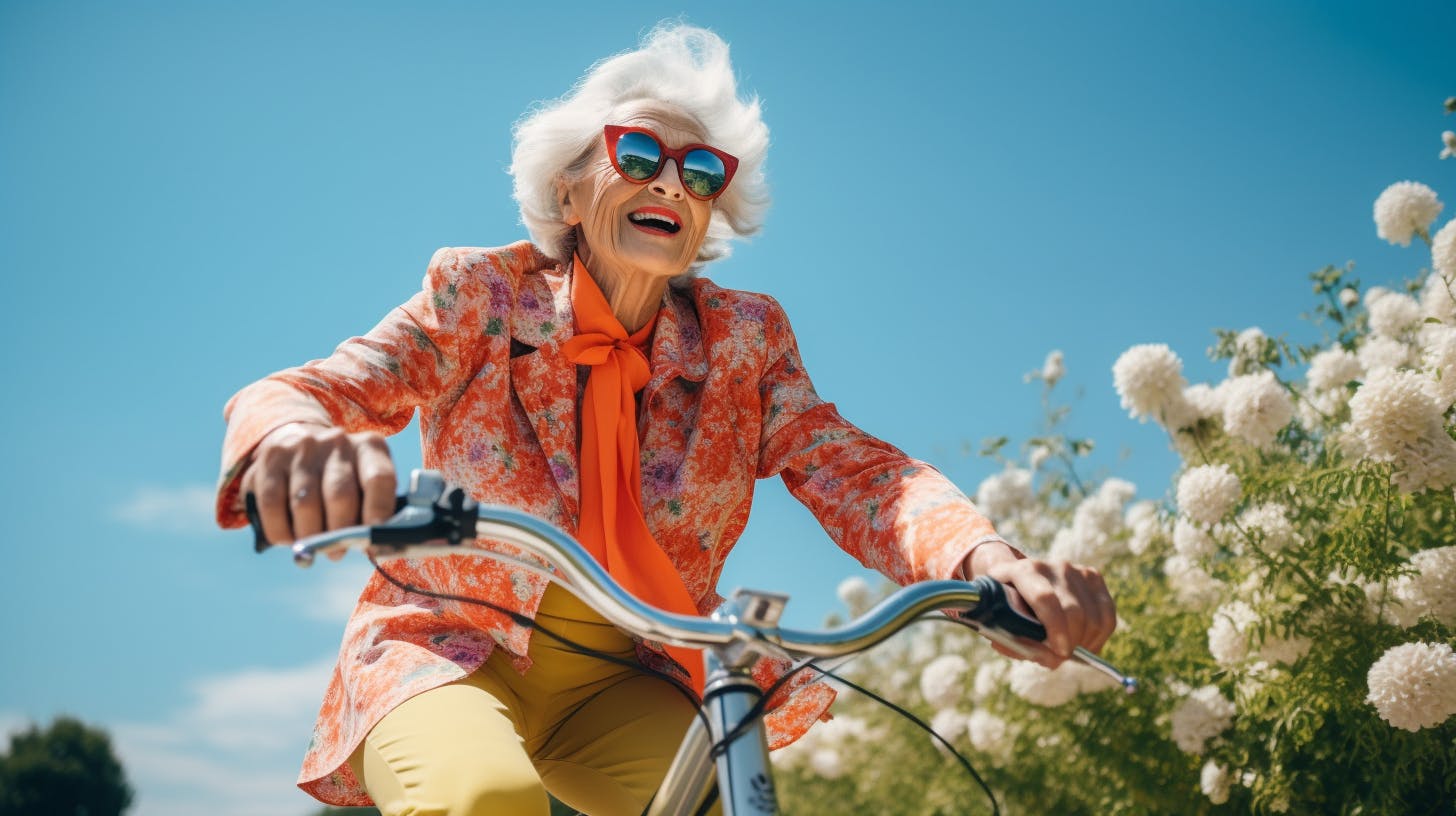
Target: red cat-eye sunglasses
column 639, row 155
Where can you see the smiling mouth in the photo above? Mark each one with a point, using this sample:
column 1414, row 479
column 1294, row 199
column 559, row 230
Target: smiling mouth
column 655, row 220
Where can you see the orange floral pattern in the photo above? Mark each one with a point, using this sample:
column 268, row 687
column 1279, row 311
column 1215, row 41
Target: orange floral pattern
column 478, row 353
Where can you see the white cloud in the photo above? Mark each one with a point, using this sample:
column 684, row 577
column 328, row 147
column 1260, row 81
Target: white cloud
column 232, row 749
column 184, row 509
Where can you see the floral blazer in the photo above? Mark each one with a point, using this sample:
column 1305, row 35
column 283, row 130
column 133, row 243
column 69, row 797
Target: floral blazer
column 478, row 353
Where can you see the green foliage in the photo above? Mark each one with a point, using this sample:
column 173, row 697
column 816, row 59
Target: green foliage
column 66, row 769
column 993, row 446
column 1280, row 609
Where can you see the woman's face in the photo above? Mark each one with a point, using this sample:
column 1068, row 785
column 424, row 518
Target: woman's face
column 632, row 229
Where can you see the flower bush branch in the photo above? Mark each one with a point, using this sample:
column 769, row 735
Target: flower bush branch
column 1289, row 602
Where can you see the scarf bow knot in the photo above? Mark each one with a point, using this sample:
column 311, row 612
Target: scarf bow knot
column 613, row 527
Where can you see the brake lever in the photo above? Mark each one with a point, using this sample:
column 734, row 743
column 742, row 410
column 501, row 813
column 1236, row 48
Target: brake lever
column 430, row 511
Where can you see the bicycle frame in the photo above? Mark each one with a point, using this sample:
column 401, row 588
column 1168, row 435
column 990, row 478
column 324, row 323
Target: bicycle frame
column 744, row 628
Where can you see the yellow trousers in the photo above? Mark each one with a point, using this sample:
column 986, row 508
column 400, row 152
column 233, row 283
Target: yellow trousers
column 598, row 736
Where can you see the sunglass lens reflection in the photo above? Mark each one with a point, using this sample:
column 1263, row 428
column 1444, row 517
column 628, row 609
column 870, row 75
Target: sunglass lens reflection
column 703, row 172
column 638, row 155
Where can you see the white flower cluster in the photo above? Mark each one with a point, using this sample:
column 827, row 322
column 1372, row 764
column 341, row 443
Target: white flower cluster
column 1235, row 623
column 1394, row 314
column 1251, row 404
column 1431, row 591
column 1333, row 369
column 1049, row 688
column 1214, row 780
column 1004, row 494
column 1438, row 296
column 1203, row 402
column 1142, row 520
column 988, row 678
column 1054, row 368
column 1383, row 352
column 1149, row 379
column 1039, row 685
column 1193, row 584
column 988, row 733
column 1095, row 535
column 1192, row 541
column 1413, row 685
column 1255, row 407
column 1037, row 456
column 1204, row 714
column 1438, row 363
column 855, row 593
column 1384, row 604
column 822, row 748
column 1255, row 586
column 1330, row 371
column 1399, row 420
column 1228, row 638
column 941, row 681
column 949, row 723
column 919, row 645
column 1208, row 492
column 1270, row 525
column 1248, row 351
column 1443, row 251
column 1404, row 209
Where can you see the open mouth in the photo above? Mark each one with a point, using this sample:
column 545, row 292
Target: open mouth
column 656, row 220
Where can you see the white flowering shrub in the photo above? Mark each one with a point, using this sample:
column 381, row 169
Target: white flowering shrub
column 1288, row 601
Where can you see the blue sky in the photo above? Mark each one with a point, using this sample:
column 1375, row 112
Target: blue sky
column 195, row 194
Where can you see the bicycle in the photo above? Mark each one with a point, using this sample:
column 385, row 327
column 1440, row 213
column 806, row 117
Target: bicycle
column 725, row 741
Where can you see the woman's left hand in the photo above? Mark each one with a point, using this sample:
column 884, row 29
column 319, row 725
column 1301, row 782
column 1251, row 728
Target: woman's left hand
column 1071, row 601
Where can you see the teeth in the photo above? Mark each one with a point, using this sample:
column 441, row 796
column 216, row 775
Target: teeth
column 643, row 218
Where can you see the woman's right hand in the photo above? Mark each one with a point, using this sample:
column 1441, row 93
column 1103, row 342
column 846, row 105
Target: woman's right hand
column 310, row 478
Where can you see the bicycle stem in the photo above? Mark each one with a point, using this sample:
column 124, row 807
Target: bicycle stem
column 433, row 519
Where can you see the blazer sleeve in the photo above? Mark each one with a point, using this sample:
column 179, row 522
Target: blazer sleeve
column 419, row 353
column 893, row 513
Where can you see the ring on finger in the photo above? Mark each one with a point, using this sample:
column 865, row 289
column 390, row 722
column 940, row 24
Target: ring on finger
column 300, row 494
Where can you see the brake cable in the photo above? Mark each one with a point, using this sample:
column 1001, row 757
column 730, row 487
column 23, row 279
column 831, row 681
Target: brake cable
column 756, row 712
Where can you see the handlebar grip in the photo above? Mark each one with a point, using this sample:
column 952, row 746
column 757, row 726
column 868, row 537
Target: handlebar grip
column 255, row 520
column 995, row 610
column 250, row 506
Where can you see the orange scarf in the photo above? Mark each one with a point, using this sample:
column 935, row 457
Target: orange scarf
column 612, row 526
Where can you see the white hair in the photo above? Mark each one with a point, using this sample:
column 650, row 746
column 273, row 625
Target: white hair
column 678, row 65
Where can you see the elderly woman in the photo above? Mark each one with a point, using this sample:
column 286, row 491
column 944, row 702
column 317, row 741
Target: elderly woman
column 592, row 378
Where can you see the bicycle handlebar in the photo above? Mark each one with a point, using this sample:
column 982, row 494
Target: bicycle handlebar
column 432, row 519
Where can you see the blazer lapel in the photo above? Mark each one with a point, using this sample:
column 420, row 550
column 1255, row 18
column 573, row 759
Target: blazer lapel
column 544, row 381
column 677, row 345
